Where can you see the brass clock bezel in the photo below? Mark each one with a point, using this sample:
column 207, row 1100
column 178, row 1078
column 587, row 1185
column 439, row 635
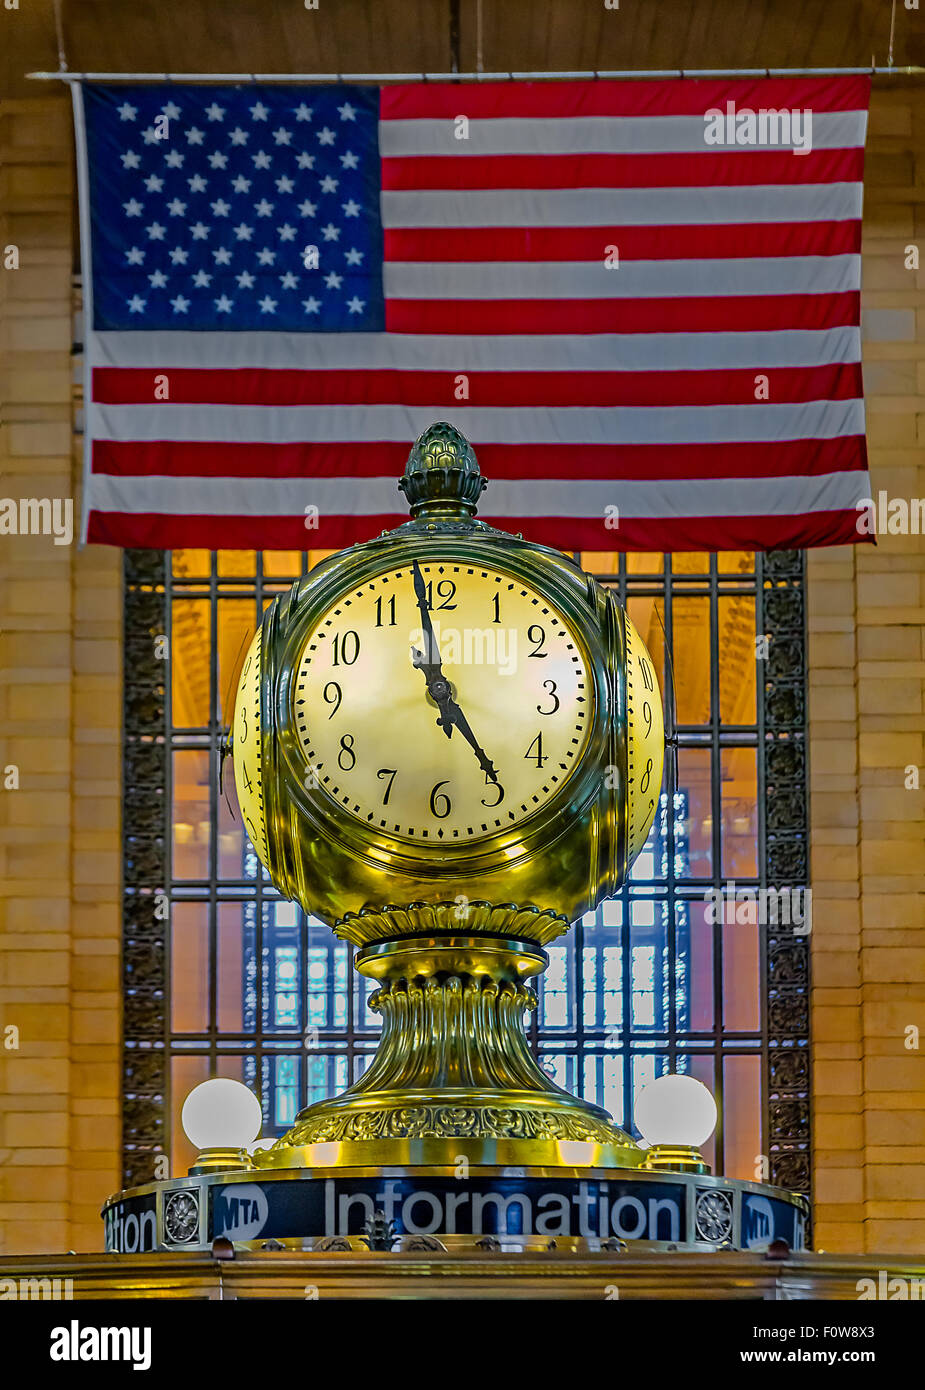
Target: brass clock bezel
column 306, row 605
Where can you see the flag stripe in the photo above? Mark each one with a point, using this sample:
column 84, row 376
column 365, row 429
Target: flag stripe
column 694, row 315
column 537, row 101
column 624, row 171
column 652, row 243
column 313, row 352
column 174, row 530
column 790, row 276
column 126, row 386
column 654, row 462
column 502, row 207
column 543, row 497
column 537, row 425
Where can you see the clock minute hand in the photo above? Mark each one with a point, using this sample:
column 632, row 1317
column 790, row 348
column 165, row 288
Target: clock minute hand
column 429, row 661
column 462, row 724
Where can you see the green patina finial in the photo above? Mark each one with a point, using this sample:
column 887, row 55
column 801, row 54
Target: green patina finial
column 442, row 471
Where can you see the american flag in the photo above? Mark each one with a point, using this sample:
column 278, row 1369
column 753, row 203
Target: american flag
column 651, row 340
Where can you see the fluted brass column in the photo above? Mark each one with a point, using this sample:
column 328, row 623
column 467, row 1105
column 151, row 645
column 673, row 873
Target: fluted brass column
column 453, row 1075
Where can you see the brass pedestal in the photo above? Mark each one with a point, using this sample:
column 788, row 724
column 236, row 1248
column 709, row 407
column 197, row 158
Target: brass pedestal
column 453, row 1078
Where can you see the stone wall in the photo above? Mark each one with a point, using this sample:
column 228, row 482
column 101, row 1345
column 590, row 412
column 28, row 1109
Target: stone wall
column 867, row 663
column 60, row 718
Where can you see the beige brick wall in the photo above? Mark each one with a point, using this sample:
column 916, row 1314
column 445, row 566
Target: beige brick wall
column 867, row 720
column 60, row 725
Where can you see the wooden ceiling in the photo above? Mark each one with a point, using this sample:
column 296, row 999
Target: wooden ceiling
column 234, row 36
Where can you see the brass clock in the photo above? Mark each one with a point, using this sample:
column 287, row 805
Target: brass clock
column 447, row 708
column 452, row 737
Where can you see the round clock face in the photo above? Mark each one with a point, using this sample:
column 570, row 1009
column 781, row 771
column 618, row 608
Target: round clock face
column 442, row 702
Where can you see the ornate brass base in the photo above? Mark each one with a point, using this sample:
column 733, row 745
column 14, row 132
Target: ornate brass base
column 453, row 1076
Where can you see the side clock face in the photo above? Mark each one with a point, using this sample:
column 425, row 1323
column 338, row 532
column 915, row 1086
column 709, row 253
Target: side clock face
column 442, row 702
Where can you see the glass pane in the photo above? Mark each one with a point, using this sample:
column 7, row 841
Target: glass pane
column 690, row 562
column 236, row 984
column 695, row 783
column 185, row 1072
column 236, row 625
column 600, row 561
column 191, row 564
column 736, row 616
column 741, row 968
column 190, row 645
column 236, row 564
column 562, row 1067
column 236, row 858
column 739, row 772
column 703, row 1067
column 644, row 563
column 282, row 564
column 690, row 619
column 698, row 966
column 735, row 562
column 555, row 1007
column 743, row 1103
column 191, row 823
column 648, row 966
column 189, row 967
column 325, row 1075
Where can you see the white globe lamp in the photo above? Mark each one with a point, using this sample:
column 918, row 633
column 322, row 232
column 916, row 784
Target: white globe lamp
column 675, row 1115
column 221, row 1118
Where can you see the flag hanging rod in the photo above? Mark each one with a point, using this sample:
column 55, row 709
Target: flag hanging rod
column 379, row 77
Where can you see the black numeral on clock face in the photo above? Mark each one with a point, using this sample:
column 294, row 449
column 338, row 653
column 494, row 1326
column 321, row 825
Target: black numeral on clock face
column 391, row 773
column 646, row 671
column 346, row 758
column 539, row 757
column 536, row 635
column 496, row 787
column 440, row 804
column 446, row 592
column 332, row 695
column 346, row 648
column 552, row 688
column 390, row 609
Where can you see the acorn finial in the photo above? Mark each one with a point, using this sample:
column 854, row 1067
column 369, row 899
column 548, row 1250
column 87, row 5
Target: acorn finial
column 442, row 471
